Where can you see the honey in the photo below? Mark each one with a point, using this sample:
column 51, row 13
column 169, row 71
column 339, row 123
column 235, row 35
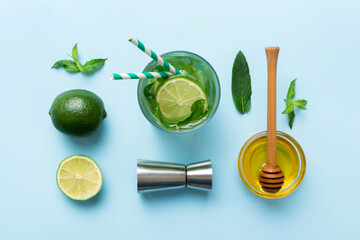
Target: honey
column 290, row 158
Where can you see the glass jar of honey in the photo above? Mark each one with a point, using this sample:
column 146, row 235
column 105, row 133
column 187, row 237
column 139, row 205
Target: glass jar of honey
column 290, row 158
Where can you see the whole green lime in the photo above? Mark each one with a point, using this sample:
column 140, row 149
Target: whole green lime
column 77, row 112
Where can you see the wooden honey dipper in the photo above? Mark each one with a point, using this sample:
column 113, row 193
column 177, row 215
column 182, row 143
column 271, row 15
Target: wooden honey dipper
column 271, row 177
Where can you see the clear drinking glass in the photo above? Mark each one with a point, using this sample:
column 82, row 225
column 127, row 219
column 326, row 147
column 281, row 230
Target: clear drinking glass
column 200, row 71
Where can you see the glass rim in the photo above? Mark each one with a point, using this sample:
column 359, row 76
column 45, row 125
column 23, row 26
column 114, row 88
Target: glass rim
column 293, row 185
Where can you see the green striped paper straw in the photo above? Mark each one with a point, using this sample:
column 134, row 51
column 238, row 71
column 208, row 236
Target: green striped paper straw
column 153, row 55
column 143, row 75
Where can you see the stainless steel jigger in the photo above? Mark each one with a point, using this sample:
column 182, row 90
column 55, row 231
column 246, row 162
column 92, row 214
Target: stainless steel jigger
column 155, row 176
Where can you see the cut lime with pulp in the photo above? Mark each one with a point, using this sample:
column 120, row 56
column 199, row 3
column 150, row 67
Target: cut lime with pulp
column 176, row 96
column 79, row 177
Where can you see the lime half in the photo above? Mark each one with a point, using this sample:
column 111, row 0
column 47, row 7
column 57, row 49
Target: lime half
column 176, row 96
column 79, row 177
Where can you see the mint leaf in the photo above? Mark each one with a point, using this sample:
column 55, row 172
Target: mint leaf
column 197, row 110
column 291, row 91
column 289, row 108
column 148, row 90
column 159, row 68
column 74, row 53
column 191, row 71
column 81, row 67
column 75, row 56
column 291, row 117
column 93, row 64
column 300, row 102
column 302, row 108
column 198, row 107
column 241, row 84
column 69, row 65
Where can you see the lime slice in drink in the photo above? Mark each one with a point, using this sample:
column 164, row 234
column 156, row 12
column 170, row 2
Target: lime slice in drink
column 79, row 177
column 176, row 96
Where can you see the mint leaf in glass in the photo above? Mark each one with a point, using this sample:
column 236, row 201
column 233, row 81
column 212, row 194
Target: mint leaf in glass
column 197, row 111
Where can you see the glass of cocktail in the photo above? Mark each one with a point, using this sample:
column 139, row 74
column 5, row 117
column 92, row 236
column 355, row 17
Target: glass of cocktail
column 180, row 103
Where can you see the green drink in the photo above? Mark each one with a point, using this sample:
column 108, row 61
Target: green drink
column 180, row 103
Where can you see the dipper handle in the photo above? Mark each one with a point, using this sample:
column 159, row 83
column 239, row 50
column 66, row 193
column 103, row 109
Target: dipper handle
column 271, row 56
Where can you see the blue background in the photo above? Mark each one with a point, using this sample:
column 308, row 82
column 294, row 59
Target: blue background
column 320, row 45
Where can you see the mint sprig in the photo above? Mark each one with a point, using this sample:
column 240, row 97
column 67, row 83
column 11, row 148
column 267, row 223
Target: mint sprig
column 76, row 66
column 291, row 104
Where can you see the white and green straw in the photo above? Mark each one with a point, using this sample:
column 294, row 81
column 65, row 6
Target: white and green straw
column 143, row 75
column 153, row 55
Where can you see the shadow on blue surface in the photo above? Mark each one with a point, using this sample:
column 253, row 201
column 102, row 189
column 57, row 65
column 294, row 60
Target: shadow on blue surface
column 91, row 139
column 284, row 207
column 192, row 145
column 89, row 74
column 176, row 193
